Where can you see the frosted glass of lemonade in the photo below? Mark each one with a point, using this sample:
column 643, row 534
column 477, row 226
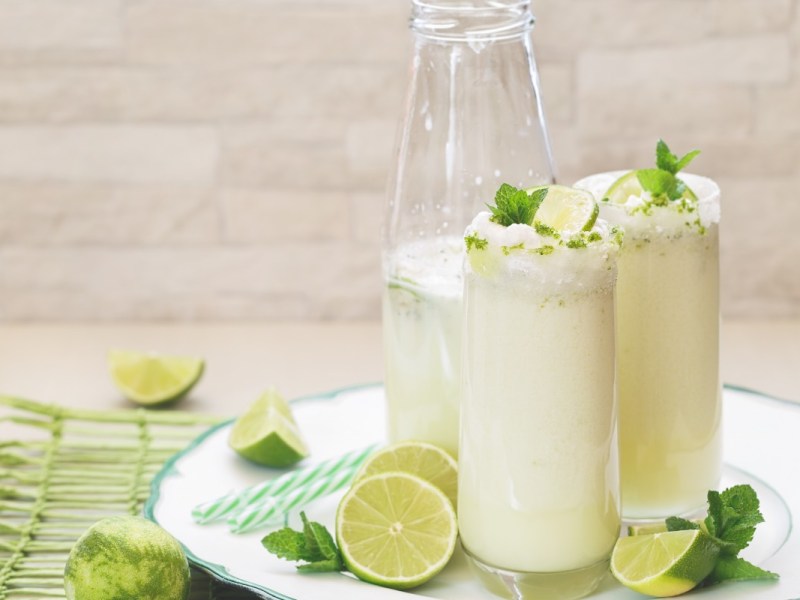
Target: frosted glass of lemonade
column 667, row 342
column 538, row 498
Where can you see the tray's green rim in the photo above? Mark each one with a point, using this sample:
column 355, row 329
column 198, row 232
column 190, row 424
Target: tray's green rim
column 218, row 571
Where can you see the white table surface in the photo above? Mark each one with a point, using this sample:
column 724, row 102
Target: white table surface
column 66, row 363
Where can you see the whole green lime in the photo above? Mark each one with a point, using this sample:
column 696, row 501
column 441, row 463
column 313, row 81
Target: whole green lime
column 126, row 558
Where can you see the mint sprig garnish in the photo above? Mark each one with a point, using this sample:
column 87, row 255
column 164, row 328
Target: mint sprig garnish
column 662, row 182
column 512, row 205
column 731, row 522
column 314, row 546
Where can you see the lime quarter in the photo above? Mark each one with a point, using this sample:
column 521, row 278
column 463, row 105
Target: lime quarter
column 431, row 463
column 664, row 564
column 268, row 434
column 396, row 530
column 567, row 210
column 150, row 378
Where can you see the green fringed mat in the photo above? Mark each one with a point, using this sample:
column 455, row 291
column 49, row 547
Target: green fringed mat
column 63, row 469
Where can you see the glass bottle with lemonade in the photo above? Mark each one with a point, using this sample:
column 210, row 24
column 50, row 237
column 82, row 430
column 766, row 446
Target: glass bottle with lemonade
column 473, row 119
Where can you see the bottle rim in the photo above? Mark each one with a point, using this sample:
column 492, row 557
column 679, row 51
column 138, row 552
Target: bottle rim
column 470, row 20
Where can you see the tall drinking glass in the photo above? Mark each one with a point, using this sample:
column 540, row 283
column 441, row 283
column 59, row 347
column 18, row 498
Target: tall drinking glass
column 473, row 119
column 538, row 489
column 667, row 347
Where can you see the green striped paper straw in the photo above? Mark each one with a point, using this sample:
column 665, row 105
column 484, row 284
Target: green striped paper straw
column 235, row 502
column 274, row 509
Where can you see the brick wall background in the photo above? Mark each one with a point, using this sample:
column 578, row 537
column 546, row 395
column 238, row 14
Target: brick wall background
column 147, row 147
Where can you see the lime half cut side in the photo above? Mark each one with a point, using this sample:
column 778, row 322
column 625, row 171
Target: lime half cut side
column 664, row 564
column 267, row 433
column 431, row 463
column 396, row 530
column 150, row 379
column 628, row 185
column 567, row 210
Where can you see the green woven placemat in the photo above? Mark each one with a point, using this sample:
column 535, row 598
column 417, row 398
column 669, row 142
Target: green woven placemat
column 63, row 469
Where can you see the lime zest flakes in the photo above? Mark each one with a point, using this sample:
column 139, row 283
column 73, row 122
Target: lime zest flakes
column 512, row 205
column 476, row 242
column 507, row 249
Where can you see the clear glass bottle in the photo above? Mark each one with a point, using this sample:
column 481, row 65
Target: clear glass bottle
column 473, row 120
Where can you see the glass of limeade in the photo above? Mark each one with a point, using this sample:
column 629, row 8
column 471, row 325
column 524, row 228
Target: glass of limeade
column 668, row 379
column 538, row 497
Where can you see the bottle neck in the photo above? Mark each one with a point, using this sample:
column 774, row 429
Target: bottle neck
column 471, row 21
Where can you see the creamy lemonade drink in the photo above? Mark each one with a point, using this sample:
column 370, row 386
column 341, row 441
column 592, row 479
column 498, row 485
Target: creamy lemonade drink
column 538, row 499
column 422, row 341
column 667, row 336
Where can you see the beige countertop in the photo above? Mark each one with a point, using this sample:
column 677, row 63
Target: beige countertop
column 66, row 363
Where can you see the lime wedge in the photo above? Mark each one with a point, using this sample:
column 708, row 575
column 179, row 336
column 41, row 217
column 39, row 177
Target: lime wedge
column 150, row 379
column 628, row 185
column 424, row 460
column 664, row 564
column 567, row 210
column 267, row 433
column 396, row 530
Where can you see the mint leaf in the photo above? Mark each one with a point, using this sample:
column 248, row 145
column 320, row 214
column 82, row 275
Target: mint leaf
column 731, row 568
column 667, row 161
column 736, row 517
column 662, row 185
column 684, row 162
column 680, row 524
column 319, row 542
column 314, row 546
column 512, row 205
column 286, row 543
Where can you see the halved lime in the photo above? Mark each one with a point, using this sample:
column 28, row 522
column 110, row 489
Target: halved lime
column 566, row 210
column 664, row 564
column 148, row 378
column 424, row 460
column 267, row 433
column 628, row 185
column 396, row 530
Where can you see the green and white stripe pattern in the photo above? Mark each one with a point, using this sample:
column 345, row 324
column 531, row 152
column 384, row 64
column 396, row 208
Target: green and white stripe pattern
column 274, row 509
column 230, row 505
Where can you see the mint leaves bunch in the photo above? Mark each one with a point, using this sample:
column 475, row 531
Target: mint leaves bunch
column 663, row 182
column 731, row 523
column 513, row 205
column 314, row 546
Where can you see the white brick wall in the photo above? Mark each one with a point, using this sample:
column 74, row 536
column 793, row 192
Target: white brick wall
column 202, row 159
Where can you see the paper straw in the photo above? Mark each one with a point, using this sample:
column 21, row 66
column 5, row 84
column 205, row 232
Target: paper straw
column 234, row 502
column 275, row 508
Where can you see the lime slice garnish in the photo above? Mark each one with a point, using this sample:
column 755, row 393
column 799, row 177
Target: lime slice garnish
column 267, row 433
column 396, row 530
column 628, row 185
column 150, row 378
column 566, row 210
column 424, row 460
column 664, row 564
